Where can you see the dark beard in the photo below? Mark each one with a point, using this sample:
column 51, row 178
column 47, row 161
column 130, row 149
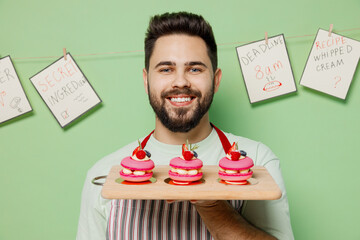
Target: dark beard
column 179, row 122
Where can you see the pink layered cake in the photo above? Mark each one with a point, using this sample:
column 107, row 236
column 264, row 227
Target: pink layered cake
column 138, row 167
column 186, row 168
column 235, row 167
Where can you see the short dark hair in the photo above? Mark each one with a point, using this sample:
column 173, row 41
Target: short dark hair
column 180, row 23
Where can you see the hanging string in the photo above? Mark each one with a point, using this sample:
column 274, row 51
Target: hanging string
column 301, row 36
column 135, row 51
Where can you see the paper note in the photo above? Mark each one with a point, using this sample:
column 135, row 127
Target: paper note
column 266, row 69
column 331, row 64
column 65, row 90
column 13, row 101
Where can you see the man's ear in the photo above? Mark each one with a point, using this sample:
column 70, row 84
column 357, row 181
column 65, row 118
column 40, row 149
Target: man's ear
column 145, row 78
column 217, row 79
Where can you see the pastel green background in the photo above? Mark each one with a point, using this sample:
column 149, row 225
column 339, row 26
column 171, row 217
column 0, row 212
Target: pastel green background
column 43, row 166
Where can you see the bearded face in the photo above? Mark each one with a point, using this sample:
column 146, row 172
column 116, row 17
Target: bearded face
column 180, row 81
column 181, row 119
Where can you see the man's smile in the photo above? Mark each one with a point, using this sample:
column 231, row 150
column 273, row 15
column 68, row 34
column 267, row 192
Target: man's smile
column 181, row 100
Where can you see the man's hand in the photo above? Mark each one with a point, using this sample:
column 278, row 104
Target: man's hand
column 205, row 203
column 202, row 203
column 224, row 222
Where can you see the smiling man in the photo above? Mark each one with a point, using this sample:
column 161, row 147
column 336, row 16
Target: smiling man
column 181, row 77
column 181, row 83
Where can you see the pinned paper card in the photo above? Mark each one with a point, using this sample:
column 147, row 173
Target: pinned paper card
column 13, row 101
column 65, row 90
column 266, row 68
column 331, row 64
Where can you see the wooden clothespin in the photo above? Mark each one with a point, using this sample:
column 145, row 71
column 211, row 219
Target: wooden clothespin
column 64, row 52
column 266, row 38
column 330, row 29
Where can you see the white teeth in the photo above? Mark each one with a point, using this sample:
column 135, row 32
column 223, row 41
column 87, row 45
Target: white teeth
column 183, row 99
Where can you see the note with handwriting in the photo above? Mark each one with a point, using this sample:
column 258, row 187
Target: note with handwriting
column 13, row 101
column 266, row 68
column 65, row 90
column 331, row 64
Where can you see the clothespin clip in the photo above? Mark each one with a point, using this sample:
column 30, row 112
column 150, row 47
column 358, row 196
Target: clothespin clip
column 330, row 29
column 266, row 38
column 64, row 52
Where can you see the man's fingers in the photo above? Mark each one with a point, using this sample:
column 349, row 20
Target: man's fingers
column 204, row 203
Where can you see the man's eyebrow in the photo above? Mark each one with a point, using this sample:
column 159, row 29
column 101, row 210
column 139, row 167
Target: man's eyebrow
column 195, row 63
column 170, row 63
column 166, row 63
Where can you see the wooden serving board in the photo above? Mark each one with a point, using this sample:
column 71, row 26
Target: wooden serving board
column 262, row 187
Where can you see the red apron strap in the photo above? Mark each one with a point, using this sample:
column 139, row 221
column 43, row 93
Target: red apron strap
column 144, row 142
column 223, row 139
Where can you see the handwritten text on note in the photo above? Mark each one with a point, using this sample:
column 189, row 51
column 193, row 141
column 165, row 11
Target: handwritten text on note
column 266, row 69
column 65, row 90
column 13, row 101
column 331, row 64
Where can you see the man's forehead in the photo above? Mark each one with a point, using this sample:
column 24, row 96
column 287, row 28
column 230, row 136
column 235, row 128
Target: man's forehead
column 179, row 49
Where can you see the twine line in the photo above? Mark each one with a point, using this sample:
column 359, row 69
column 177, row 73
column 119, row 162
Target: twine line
column 135, row 51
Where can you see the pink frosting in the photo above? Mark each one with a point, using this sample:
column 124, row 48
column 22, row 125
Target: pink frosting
column 186, row 164
column 135, row 178
column 185, row 178
column 132, row 164
column 235, row 176
column 241, row 164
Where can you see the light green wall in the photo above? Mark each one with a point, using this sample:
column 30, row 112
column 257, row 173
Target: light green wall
column 43, row 167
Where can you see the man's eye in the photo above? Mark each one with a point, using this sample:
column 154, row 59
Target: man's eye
column 165, row 70
column 195, row 70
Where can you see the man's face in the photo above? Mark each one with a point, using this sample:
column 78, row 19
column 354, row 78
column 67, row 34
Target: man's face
column 180, row 81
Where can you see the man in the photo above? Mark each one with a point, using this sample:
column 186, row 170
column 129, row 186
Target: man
column 180, row 78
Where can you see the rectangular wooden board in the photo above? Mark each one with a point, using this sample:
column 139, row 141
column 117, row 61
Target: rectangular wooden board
column 263, row 187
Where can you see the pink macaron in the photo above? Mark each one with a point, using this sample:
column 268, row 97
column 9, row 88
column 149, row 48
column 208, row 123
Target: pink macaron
column 185, row 170
column 136, row 170
column 235, row 167
column 235, row 170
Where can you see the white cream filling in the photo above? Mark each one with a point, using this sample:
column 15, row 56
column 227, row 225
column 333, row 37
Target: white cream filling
column 185, row 172
column 235, row 171
column 229, row 156
column 139, row 173
column 136, row 172
column 180, row 99
column 127, row 171
column 136, row 159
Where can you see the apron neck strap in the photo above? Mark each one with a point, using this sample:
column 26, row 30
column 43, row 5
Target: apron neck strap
column 223, row 139
column 144, row 142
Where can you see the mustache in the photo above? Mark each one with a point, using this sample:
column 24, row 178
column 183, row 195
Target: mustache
column 185, row 91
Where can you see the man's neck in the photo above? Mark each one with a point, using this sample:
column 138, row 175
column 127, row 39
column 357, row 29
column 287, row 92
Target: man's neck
column 200, row 132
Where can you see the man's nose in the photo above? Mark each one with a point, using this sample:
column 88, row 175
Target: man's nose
column 180, row 81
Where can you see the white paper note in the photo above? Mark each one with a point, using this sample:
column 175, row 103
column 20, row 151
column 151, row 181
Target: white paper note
column 13, row 101
column 266, row 69
column 65, row 90
column 331, row 64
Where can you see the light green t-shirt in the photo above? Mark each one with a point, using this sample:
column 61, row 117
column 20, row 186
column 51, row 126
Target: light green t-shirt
column 271, row 216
